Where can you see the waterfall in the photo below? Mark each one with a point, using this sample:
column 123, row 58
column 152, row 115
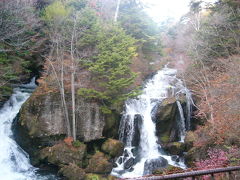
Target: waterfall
column 138, row 129
column 14, row 161
column 182, row 124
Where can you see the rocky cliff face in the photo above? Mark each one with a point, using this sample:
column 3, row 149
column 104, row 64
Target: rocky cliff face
column 42, row 116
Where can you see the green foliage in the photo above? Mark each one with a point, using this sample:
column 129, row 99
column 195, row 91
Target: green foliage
column 90, row 27
column 219, row 34
column 3, row 58
column 136, row 22
column 111, row 49
column 105, row 110
column 110, row 67
column 92, row 177
column 6, row 90
column 56, row 11
column 92, row 94
column 77, row 4
column 76, row 143
column 139, row 25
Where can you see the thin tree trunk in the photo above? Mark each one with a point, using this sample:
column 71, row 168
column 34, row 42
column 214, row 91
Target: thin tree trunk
column 62, row 100
column 117, row 11
column 73, row 107
column 62, row 92
column 73, row 84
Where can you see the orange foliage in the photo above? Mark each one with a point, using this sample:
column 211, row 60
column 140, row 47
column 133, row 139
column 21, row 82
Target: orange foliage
column 220, row 104
column 68, row 141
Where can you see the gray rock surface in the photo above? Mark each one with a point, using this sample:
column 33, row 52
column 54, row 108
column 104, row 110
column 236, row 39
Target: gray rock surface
column 42, row 116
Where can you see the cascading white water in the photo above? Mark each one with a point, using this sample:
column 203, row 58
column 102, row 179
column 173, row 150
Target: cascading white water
column 138, row 112
column 14, row 161
column 182, row 122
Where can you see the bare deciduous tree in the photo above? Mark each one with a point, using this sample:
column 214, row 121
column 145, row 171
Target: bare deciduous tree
column 17, row 23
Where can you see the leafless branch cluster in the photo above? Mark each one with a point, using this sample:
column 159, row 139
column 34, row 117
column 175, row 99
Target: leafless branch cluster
column 17, row 23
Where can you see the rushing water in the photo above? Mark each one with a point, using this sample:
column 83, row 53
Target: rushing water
column 14, row 161
column 139, row 115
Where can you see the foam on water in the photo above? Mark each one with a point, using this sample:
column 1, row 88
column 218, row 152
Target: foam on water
column 163, row 85
column 14, row 161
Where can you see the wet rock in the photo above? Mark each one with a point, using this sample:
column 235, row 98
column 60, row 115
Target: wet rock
column 137, row 128
column 99, row 164
column 175, row 158
column 113, row 147
column 166, row 114
column 137, row 122
column 129, row 163
column 126, row 153
column 120, row 160
column 154, row 164
column 166, row 119
column 131, row 169
column 62, row 154
column 115, row 165
column 134, row 151
column 72, row 172
column 111, row 127
column 175, row 148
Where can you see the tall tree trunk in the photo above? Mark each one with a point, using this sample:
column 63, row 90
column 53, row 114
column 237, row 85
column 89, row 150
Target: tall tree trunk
column 73, row 107
column 117, row 11
column 73, row 83
column 62, row 92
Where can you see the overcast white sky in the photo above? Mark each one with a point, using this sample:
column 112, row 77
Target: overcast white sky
column 162, row 9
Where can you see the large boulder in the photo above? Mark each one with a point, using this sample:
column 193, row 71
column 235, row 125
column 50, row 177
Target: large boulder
column 137, row 129
column 154, row 164
column 43, row 117
column 72, row 172
column 175, row 148
column 113, row 147
column 63, row 154
column 166, row 115
column 99, row 164
column 129, row 163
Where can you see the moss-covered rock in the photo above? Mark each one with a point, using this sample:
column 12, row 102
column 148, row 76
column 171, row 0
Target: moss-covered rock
column 168, row 170
column 72, row 172
column 62, row 154
column 189, row 139
column 113, row 147
column 175, row 148
column 166, row 115
column 91, row 176
column 165, row 120
column 196, row 154
column 111, row 124
column 99, row 164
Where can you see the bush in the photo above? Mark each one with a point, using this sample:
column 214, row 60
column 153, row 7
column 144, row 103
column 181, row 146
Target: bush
column 76, row 143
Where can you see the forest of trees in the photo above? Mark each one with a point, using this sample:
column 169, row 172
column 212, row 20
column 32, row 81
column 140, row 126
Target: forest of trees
column 73, row 37
column 65, row 41
column 208, row 38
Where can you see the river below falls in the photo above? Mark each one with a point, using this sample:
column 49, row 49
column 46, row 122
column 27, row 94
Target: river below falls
column 14, row 161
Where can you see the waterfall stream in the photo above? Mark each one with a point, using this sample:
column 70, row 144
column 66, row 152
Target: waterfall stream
column 137, row 121
column 14, row 161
